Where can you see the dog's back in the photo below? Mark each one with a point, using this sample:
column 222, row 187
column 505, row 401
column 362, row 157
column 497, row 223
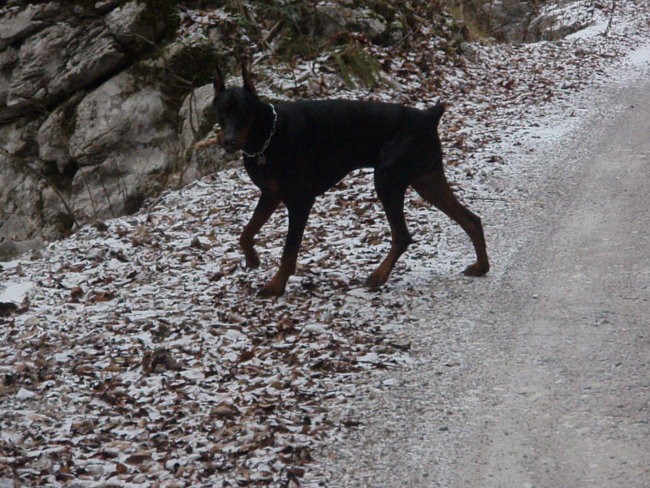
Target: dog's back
column 353, row 134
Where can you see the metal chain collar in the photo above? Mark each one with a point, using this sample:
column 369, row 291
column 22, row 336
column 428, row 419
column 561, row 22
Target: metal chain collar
column 260, row 153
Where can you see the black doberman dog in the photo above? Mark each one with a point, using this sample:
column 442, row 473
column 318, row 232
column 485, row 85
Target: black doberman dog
column 296, row 151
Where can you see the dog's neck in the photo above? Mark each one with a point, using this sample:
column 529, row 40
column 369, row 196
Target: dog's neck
column 261, row 128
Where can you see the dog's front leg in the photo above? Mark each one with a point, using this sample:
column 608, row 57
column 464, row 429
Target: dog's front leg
column 298, row 214
column 263, row 211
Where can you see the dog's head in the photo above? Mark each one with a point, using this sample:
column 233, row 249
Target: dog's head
column 234, row 109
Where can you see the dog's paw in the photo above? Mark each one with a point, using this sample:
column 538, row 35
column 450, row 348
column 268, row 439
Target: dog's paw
column 476, row 269
column 375, row 280
column 270, row 290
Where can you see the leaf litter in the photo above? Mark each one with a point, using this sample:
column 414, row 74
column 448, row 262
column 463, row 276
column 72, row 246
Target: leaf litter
column 137, row 353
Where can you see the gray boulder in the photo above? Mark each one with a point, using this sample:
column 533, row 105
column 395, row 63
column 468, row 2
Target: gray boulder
column 53, row 135
column 197, row 121
column 334, row 20
column 12, row 249
column 18, row 24
column 558, row 19
column 8, row 59
column 510, row 19
column 20, row 197
column 70, row 50
column 124, row 144
column 28, row 191
column 130, row 25
column 59, row 60
column 92, row 116
column 530, row 21
column 369, row 23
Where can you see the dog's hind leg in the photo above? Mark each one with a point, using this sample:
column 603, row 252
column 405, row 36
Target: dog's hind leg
column 391, row 193
column 435, row 189
column 263, row 211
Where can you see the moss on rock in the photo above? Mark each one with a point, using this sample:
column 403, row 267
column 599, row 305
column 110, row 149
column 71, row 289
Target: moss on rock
column 163, row 17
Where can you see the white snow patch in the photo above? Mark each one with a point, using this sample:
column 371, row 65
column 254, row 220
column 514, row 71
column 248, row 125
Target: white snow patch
column 597, row 28
column 640, row 56
column 16, row 292
column 24, row 394
column 61, row 357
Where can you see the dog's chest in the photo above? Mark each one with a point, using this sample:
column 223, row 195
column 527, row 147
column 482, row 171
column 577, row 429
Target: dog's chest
column 261, row 176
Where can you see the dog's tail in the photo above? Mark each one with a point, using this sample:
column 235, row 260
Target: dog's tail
column 437, row 110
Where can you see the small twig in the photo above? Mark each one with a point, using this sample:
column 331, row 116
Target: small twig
column 211, row 141
column 259, row 59
column 90, row 194
column 611, row 18
column 24, row 163
column 108, row 196
column 274, row 30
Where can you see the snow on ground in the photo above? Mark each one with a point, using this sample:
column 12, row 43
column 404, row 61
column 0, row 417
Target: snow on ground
column 137, row 354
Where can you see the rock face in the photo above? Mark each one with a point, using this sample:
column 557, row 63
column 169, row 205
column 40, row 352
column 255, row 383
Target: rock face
column 90, row 124
column 334, row 20
column 530, row 21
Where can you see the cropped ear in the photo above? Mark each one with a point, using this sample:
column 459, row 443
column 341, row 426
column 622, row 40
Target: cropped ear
column 248, row 80
column 217, row 82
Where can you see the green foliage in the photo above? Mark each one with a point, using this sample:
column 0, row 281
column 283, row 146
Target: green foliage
column 472, row 23
column 356, row 65
column 163, row 15
column 295, row 45
column 194, row 63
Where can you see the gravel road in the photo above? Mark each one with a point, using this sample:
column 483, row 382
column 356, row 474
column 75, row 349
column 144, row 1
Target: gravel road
column 537, row 375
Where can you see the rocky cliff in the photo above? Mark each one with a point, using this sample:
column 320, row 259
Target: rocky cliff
column 92, row 110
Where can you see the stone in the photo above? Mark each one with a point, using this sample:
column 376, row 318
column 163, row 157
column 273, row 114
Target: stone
column 196, row 116
column 27, row 195
column 125, row 145
column 8, row 59
column 19, row 198
column 53, row 134
column 197, row 121
column 509, row 19
column 107, row 5
column 334, row 20
column 56, row 218
column 114, row 114
column 92, row 123
column 557, row 20
column 17, row 25
column 58, row 61
column 12, row 249
column 369, row 23
column 128, row 24
column 73, row 51
column 526, row 21
column 120, row 184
